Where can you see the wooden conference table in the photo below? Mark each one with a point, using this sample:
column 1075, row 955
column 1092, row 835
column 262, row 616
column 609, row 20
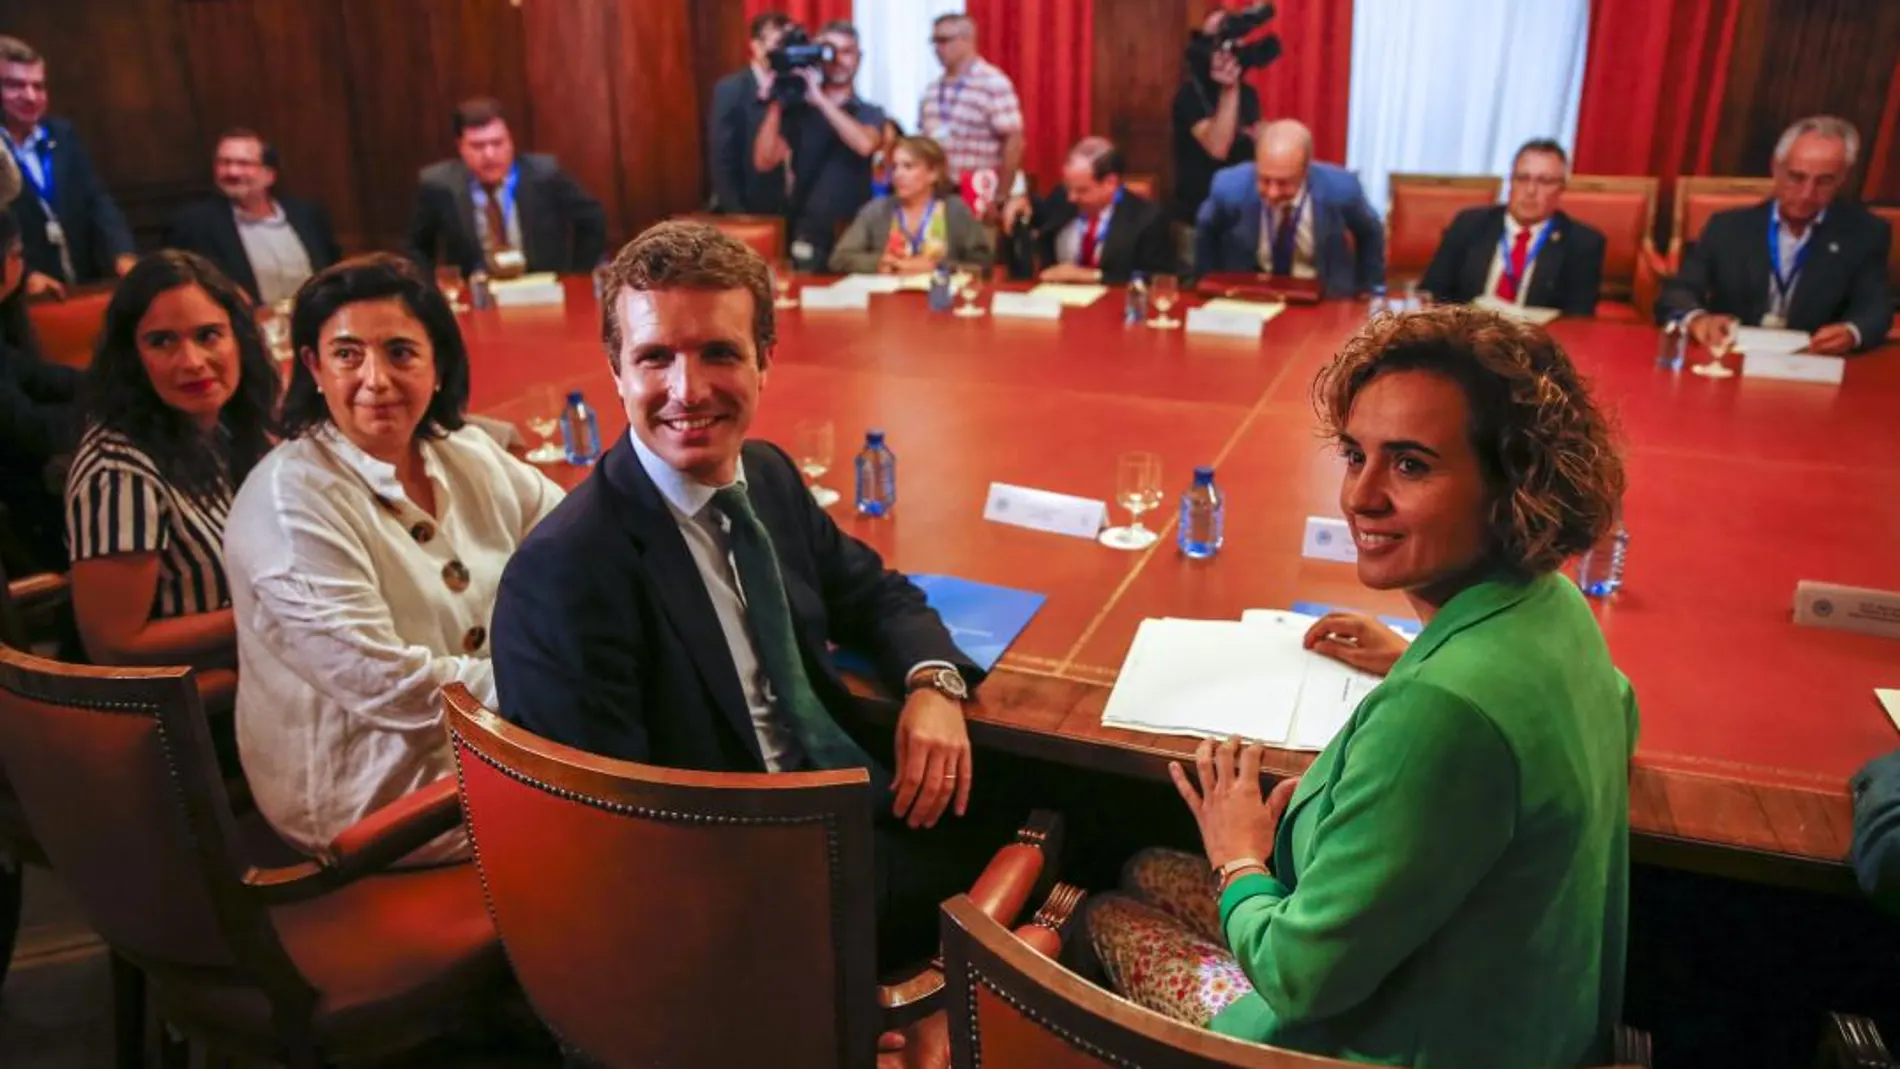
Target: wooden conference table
column 1750, row 724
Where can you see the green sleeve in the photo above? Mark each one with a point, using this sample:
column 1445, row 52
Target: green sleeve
column 1423, row 803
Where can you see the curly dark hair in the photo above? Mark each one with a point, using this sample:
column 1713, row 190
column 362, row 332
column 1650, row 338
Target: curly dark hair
column 682, row 254
column 117, row 392
column 1547, row 450
column 378, row 276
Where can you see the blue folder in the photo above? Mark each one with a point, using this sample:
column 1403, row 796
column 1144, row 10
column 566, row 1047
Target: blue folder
column 983, row 619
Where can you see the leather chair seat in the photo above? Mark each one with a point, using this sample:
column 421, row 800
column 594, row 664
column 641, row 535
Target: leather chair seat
column 384, row 952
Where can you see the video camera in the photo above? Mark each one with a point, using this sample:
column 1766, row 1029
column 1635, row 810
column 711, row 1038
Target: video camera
column 795, row 52
column 1232, row 39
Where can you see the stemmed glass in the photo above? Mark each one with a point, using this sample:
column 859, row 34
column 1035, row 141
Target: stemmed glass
column 782, row 285
column 1163, row 292
column 1137, row 489
column 969, row 284
column 1720, row 342
column 275, row 322
column 448, row 279
column 544, row 421
column 811, row 447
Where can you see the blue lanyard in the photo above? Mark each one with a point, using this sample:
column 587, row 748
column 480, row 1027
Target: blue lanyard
column 44, row 149
column 1784, row 284
column 915, row 240
column 1537, row 246
column 1101, row 229
column 1293, row 223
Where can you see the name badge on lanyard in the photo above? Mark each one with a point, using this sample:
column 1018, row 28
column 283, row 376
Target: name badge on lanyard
column 945, row 108
column 1781, row 287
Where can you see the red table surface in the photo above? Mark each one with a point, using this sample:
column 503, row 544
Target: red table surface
column 1738, row 489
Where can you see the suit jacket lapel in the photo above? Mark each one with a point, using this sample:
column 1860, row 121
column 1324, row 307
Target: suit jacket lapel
column 668, row 566
column 1118, row 245
column 1813, row 290
column 1248, row 232
column 528, row 210
column 1544, row 291
column 300, row 222
column 1328, row 231
column 232, row 246
column 1755, row 267
column 1477, row 265
column 465, row 211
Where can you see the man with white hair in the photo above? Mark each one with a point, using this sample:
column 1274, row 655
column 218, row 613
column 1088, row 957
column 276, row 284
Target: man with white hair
column 1286, row 215
column 1801, row 260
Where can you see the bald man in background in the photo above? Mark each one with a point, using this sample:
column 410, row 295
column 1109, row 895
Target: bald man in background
column 1286, row 215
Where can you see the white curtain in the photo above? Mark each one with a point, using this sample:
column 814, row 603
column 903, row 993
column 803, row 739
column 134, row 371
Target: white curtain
column 898, row 60
column 1455, row 86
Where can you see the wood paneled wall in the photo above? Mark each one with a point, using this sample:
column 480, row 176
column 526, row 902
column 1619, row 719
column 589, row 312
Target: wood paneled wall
column 356, row 93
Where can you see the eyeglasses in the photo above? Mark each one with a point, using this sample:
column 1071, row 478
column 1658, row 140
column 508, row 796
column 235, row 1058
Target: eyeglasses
column 1544, row 180
column 940, row 39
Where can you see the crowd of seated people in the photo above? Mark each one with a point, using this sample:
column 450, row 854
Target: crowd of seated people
column 352, row 542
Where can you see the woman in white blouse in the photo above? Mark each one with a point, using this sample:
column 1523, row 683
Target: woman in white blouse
column 364, row 554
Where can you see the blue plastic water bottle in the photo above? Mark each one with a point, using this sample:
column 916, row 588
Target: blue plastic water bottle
column 1203, row 510
column 580, row 431
column 877, row 476
column 1672, row 346
column 1135, row 307
column 1600, row 569
column 941, row 297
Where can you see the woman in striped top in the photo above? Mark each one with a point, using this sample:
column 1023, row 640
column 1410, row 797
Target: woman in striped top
column 177, row 406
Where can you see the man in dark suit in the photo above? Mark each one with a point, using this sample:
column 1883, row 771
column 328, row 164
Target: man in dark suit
column 1286, row 215
column 1801, row 260
column 676, row 608
column 1093, row 229
column 1526, row 252
column 732, row 128
column 492, row 211
column 266, row 242
column 72, row 230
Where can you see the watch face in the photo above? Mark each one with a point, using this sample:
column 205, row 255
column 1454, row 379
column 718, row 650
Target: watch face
column 950, row 681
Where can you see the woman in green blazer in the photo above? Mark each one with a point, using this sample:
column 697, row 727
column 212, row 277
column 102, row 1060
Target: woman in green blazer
column 922, row 223
column 1449, row 883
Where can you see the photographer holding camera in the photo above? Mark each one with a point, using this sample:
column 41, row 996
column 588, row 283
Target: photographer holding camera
column 1216, row 114
column 816, row 123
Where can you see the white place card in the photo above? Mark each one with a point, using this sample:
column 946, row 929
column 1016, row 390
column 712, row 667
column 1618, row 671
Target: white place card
column 1760, row 341
column 834, row 299
column 1328, row 538
column 1265, row 311
column 1023, row 306
column 1890, row 701
column 1045, row 510
column 1794, row 367
column 869, row 283
column 1072, row 294
column 1217, row 321
column 1849, row 608
column 1524, row 313
column 528, row 291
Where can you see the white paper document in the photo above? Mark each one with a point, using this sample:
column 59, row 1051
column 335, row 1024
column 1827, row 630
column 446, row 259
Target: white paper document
column 869, row 283
column 1216, row 678
column 528, row 290
column 834, row 298
column 1890, row 701
column 1524, row 312
column 1045, row 510
column 1766, row 341
column 1794, row 367
column 1265, row 311
column 1007, row 305
column 1069, row 294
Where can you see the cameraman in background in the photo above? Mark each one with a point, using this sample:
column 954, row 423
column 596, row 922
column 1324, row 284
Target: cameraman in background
column 1216, row 114
column 816, row 123
column 738, row 109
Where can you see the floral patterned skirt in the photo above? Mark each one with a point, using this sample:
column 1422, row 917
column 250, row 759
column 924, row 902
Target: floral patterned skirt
column 1160, row 939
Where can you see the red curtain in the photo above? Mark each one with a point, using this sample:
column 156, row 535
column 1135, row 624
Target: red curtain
column 1653, row 83
column 1046, row 47
column 1883, row 157
column 809, row 13
column 1312, row 79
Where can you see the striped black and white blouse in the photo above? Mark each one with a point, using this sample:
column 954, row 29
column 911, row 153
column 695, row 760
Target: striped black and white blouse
column 117, row 502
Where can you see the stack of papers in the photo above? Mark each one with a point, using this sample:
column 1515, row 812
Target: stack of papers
column 867, row 284
column 1252, row 678
column 1069, row 294
column 1526, row 313
column 1265, row 311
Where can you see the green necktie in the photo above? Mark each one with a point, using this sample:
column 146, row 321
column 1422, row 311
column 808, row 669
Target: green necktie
column 770, row 614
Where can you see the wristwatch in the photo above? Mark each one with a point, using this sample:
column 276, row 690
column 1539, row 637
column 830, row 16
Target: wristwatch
column 945, row 681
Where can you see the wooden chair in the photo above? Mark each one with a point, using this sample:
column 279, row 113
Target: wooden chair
column 1696, row 198
column 1891, row 213
column 1853, row 1042
column 1623, row 207
column 647, row 909
column 1011, row 1007
column 1421, row 207
column 764, row 234
column 17, row 846
column 1141, row 185
column 323, row 961
column 67, row 329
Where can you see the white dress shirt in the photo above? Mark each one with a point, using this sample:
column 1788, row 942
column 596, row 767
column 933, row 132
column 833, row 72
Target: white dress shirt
column 348, row 623
column 1069, row 240
column 1303, row 264
column 706, row 531
column 276, row 253
column 1511, row 229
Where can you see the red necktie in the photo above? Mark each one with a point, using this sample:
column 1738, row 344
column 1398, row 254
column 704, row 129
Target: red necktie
column 1088, row 256
column 1513, row 274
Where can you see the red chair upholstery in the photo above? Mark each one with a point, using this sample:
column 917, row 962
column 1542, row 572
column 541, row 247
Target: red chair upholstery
column 648, row 911
column 764, row 234
column 318, row 962
column 1623, row 208
column 1012, row 1007
column 1422, row 206
column 67, row 329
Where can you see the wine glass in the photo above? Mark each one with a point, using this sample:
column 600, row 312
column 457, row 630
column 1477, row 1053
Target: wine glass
column 275, row 322
column 448, row 279
column 782, row 285
column 1720, row 342
column 969, row 286
column 811, row 447
column 1163, row 292
column 1137, row 489
column 544, row 420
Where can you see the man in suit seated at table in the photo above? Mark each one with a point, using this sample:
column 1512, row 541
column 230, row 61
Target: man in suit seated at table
column 1286, row 215
column 490, row 210
column 1801, row 260
column 1091, row 228
column 1525, row 252
column 676, row 608
column 265, row 241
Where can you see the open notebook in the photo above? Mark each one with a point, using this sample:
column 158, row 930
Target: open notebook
column 1251, row 678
